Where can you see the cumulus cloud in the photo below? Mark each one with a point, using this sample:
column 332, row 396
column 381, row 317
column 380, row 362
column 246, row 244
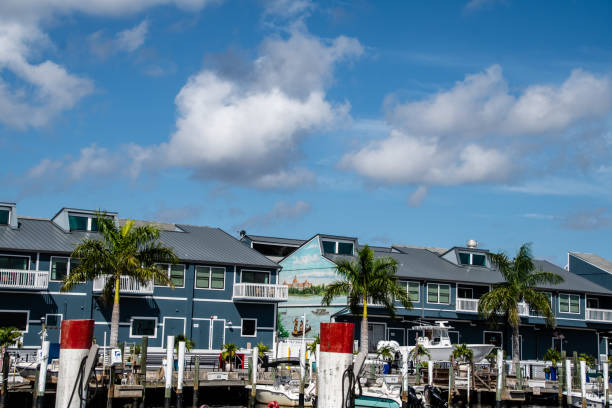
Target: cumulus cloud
column 416, row 198
column 287, row 8
column 478, row 131
column 282, row 211
column 248, row 130
column 128, row 40
column 32, row 94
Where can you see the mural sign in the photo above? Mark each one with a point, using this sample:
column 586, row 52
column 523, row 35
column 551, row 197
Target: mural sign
column 306, row 272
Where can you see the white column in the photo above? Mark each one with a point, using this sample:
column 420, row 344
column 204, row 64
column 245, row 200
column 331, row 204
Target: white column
column 169, row 361
column 181, row 365
column 42, row 375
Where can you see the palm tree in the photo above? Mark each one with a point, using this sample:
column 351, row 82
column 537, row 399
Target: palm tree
column 120, row 251
column 521, row 280
column 367, row 279
column 10, row 336
column 189, row 344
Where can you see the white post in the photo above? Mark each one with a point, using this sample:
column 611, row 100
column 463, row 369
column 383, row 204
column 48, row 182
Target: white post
column 42, row 375
column 430, row 365
column 568, row 380
column 302, row 362
column 405, row 371
column 104, row 355
column 583, row 380
column 469, row 385
column 255, row 365
column 169, row 367
column 606, row 378
column 181, row 365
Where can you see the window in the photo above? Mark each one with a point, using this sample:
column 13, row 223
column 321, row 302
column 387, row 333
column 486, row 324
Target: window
column 217, row 278
column 329, row 247
column 59, row 268
column 438, row 293
column 465, row 293
column 592, row 303
column 413, row 290
column 14, row 262
column 255, row 277
column 550, row 302
column 569, row 303
column 202, row 277
column 4, row 217
column 53, row 320
column 467, row 258
column 345, row 248
column 14, row 318
column 493, row 337
column 94, row 223
column 249, row 328
column 143, row 326
column 176, row 273
column 77, row 223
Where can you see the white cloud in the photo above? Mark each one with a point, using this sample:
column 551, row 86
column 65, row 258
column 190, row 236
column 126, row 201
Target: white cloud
column 416, row 198
column 133, row 38
column 479, row 132
column 38, row 92
column 249, row 130
column 282, row 211
column 93, row 161
column 287, row 8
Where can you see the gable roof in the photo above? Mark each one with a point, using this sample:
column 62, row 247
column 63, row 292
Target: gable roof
column 275, row 240
column 594, row 260
column 199, row 244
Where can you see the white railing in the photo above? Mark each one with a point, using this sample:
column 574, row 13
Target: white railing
column 599, row 315
column 467, row 305
column 126, row 285
column 523, row 309
column 23, row 279
column 261, row 291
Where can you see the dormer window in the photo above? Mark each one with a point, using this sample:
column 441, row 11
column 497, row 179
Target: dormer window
column 470, row 258
column 340, row 248
column 82, row 223
column 4, row 217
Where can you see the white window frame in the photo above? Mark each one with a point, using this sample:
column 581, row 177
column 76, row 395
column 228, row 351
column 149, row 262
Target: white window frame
column 20, row 311
column 484, row 333
column 569, row 304
column 51, row 267
column 168, row 275
column 552, row 342
column 255, row 270
column 10, row 214
column 23, row 256
column 241, row 327
column 408, row 282
column 53, row 314
column 224, row 277
column 139, row 336
column 471, row 254
column 464, row 288
column 195, row 276
column 438, row 302
column 336, row 245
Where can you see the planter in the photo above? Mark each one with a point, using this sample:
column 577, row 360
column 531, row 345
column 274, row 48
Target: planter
column 546, row 375
column 553, row 373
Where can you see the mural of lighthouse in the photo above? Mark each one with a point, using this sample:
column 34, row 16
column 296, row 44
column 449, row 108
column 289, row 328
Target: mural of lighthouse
column 306, row 271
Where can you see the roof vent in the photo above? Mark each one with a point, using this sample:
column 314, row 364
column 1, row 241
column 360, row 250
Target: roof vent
column 472, row 243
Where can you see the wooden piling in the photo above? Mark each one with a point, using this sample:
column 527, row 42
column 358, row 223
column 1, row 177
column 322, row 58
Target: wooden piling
column 469, row 384
column 451, row 381
column 143, row 369
column 576, row 370
column 5, row 371
column 111, row 387
column 196, row 382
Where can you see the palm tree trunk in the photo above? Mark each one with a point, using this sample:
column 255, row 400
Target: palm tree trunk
column 363, row 349
column 516, row 356
column 114, row 334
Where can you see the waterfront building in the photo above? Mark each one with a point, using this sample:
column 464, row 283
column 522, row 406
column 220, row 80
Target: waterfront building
column 443, row 284
column 224, row 291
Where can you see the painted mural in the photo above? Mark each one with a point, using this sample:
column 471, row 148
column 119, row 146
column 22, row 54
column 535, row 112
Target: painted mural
column 306, row 272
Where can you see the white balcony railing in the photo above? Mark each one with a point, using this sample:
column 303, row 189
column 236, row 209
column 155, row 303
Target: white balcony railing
column 467, row 305
column 23, row 279
column 261, row 291
column 599, row 315
column 126, row 285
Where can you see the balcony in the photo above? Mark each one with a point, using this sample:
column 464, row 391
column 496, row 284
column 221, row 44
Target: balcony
column 466, row 305
column 24, row 279
column 599, row 315
column 126, row 285
column 261, row 291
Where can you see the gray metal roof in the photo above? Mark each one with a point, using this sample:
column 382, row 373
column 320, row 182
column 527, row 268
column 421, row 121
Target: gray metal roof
column 421, row 263
column 400, row 247
column 337, row 237
column 275, row 240
column 595, row 260
column 200, row 244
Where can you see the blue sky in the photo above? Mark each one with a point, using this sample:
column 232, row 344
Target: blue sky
column 410, row 122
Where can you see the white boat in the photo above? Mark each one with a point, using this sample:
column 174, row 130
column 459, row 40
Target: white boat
column 436, row 340
column 592, row 400
column 286, row 395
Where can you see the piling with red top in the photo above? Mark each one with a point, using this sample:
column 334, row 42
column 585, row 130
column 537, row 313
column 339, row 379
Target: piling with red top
column 336, row 355
column 75, row 343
